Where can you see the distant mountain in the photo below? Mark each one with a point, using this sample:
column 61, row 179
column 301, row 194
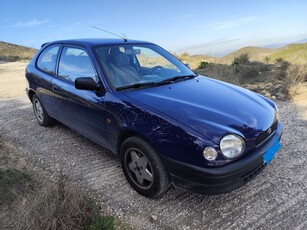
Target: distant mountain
column 275, row 46
column 279, row 45
column 301, row 41
column 12, row 52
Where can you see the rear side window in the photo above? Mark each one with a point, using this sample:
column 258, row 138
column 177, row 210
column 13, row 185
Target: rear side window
column 47, row 59
column 74, row 63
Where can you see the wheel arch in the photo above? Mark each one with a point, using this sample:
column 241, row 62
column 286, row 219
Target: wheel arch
column 125, row 134
column 31, row 93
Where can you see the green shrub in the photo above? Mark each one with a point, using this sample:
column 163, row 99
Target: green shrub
column 248, row 72
column 243, row 59
column 267, row 59
column 12, row 184
column 283, row 65
column 102, row 223
column 203, row 64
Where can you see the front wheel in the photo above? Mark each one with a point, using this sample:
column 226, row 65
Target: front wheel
column 143, row 167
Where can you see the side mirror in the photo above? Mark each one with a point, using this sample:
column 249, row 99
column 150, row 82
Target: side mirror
column 187, row 65
column 87, row 83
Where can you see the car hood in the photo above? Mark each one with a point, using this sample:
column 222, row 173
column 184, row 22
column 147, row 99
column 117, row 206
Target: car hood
column 211, row 107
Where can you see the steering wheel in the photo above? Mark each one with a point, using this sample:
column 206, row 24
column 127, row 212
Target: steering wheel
column 81, row 54
column 158, row 67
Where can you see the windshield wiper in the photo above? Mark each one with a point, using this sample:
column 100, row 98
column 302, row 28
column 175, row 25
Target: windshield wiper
column 166, row 81
column 137, row 85
column 176, row 78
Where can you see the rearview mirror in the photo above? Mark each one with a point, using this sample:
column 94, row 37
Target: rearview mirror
column 87, row 83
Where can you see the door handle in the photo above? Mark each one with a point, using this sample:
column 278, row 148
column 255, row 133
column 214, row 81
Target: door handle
column 55, row 88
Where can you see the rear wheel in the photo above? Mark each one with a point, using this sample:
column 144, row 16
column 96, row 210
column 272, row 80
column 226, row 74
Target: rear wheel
column 40, row 113
column 143, row 167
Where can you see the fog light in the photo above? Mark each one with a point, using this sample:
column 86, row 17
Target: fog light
column 210, row 153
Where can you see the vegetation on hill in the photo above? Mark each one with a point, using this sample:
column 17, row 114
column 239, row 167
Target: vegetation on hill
column 294, row 53
column 281, row 72
column 11, row 52
column 254, row 53
column 282, row 80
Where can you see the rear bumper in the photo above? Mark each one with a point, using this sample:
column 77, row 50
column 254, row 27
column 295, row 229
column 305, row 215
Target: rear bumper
column 221, row 179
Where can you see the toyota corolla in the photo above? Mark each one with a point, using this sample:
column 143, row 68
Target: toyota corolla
column 167, row 124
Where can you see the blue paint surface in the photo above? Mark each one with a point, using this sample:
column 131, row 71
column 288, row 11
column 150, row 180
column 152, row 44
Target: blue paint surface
column 269, row 155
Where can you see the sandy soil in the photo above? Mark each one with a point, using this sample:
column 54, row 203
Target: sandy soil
column 12, row 80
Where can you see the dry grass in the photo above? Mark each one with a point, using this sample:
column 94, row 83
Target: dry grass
column 295, row 80
column 60, row 206
column 238, row 75
column 28, row 203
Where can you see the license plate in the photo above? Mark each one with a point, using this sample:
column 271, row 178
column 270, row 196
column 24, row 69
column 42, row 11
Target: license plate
column 269, row 155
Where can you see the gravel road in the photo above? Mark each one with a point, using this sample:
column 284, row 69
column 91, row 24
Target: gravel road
column 276, row 199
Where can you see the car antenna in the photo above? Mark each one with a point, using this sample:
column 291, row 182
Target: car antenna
column 125, row 37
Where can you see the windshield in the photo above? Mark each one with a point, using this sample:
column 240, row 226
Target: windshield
column 140, row 64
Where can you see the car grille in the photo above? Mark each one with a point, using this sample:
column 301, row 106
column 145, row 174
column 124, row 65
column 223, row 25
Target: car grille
column 263, row 136
column 250, row 175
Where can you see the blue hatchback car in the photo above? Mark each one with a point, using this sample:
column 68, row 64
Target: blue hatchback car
column 167, row 124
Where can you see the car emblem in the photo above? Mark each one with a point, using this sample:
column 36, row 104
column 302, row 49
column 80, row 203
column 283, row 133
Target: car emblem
column 269, row 131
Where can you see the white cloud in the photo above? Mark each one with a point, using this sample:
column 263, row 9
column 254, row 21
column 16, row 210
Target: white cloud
column 31, row 23
column 235, row 21
column 232, row 22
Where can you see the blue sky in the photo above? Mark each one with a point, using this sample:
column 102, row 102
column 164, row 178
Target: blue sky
column 197, row 27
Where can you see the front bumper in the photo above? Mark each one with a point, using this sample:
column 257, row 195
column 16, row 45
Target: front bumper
column 221, row 179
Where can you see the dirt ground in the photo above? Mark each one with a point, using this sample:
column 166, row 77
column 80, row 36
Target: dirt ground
column 276, row 199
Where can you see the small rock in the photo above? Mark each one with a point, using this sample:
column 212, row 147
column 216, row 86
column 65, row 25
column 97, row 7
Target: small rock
column 273, row 97
column 153, row 218
column 280, row 96
column 267, row 94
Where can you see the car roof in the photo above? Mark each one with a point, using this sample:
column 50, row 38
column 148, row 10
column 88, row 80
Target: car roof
column 96, row 41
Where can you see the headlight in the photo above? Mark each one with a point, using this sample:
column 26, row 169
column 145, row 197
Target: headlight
column 232, row 146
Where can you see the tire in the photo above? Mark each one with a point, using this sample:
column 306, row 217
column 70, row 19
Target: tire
column 40, row 113
column 143, row 167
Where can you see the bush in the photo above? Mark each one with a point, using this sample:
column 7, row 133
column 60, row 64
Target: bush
column 295, row 76
column 267, row 59
column 248, row 72
column 220, row 72
column 243, row 59
column 203, row 64
column 10, row 58
column 283, row 66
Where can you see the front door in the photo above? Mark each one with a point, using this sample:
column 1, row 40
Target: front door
column 81, row 110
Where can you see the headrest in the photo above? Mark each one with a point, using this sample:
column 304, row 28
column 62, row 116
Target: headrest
column 122, row 59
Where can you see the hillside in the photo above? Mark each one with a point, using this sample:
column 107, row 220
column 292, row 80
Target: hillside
column 255, row 54
column 294, row 53
column 11, row 52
